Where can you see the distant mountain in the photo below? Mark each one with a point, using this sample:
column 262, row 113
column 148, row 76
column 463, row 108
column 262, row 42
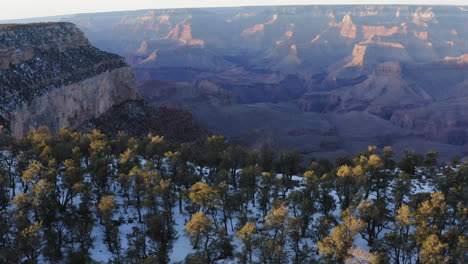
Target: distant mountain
column 303, row 76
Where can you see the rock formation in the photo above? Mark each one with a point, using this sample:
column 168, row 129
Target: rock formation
column 51, row 76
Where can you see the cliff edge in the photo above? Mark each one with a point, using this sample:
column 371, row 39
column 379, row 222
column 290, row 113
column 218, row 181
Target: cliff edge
column 50, row 75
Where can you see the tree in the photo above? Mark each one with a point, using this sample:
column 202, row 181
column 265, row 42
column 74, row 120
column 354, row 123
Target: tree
column 326, row 202
column 71, row 180
column 216, row 244
column 273, row 242
column 235, row 157
column 400, row 243
column 199, row 227
column 372, row 213
column 204, row 196
column 247, row 235
column 267, row 158
column 431, row 159
column 288, row 164
column 360, row 256
column 140, row 186
column 162, row 235
column 29, row 242
column 33, row 174
column 80, row 222
column 433, row 251
column 214, row 148
column 136, row 251
column 128, row 160
column 300, row 250
column 221, row 246
column 266, row 188
column 335, row 248
column 99, row 162
column 155, row 147
column 348, row 183
column 387, row 158
column 453, row 184
column 430, row 218
column 400, row 190
column 321, row 166
column 106, row 209
column 67, row 179
column 248, row 183
column 410, row 161
column 307, row 200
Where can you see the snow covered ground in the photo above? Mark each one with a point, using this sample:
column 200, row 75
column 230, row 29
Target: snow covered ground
column 182, row 246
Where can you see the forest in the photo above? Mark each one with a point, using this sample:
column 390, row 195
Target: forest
column 74, row 197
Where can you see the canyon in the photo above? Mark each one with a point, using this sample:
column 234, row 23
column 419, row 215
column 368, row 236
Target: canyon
column 328, row 80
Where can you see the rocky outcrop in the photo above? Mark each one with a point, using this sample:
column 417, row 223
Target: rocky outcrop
column 359, row 53
column 138, row 119
column 52, row 76
column 462, row 60
column 371, row 53
column 347, row 28
column 183, row 34
column 73, row 104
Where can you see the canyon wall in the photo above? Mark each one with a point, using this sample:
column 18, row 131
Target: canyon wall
column 51, row 76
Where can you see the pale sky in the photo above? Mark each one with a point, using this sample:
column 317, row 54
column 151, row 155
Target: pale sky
column 14, row 9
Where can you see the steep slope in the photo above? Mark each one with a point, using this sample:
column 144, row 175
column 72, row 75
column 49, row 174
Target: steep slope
column 50, row 75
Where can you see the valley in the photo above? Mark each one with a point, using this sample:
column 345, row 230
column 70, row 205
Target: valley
column 261, row 74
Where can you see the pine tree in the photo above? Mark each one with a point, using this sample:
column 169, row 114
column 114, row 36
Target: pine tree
column 336, row 247
column 136, row 251
column 372, row 213
column 360, row 256
column 106, row 208
column 205, row 196
column 273, row 246
column 161, row 233
column 433, row 251
column 247, row 234
column 198, row 227
column 29, row 243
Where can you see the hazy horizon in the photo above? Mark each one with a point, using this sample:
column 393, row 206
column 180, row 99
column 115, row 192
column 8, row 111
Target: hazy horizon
column 23, row 9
